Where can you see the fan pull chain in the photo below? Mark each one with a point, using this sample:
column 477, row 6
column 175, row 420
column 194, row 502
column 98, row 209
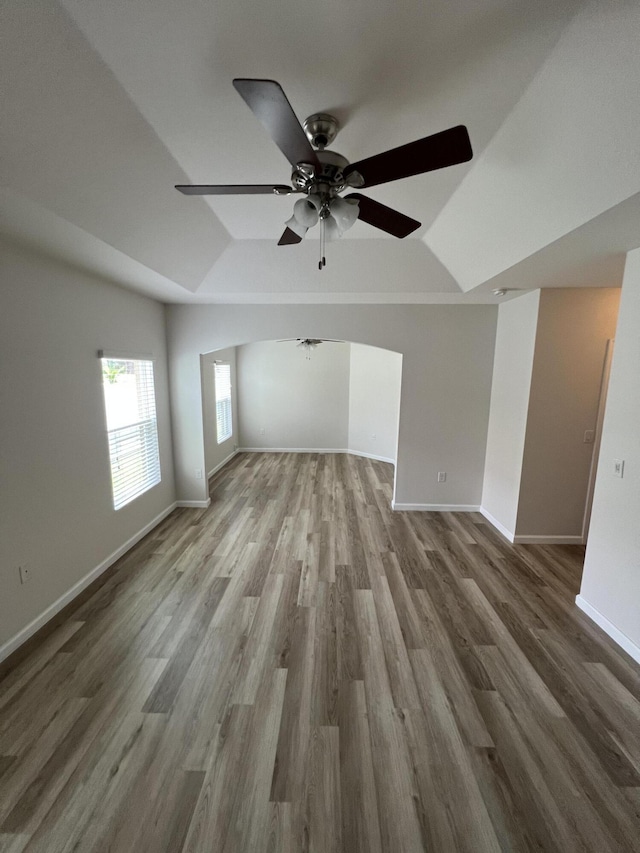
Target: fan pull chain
column 323, row 261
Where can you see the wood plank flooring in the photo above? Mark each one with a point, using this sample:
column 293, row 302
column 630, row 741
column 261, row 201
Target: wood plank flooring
column 298, row 668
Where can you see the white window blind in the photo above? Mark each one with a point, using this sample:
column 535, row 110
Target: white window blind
column 132, row 431
column 224, row 425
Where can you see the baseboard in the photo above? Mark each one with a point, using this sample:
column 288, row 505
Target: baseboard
column 292, row 450
column 400, row 507
column 530, row 540
column 194, row 504
column 609, row 628
column 547, row 540
column 508, row 535
column 316, row 450
column 371, row 456
column 222, row 464
column 29, row 630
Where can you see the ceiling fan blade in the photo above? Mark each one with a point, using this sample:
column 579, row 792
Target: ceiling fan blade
column 288, row 238
column 424, row 155
column 234, row 189
column 269, row 104
column 383, row 217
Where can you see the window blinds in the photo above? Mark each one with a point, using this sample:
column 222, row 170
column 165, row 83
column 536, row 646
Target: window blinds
column 224, row 425
column 131, row 427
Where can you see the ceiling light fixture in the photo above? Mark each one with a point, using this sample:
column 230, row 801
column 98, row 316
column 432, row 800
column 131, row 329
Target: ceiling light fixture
column 308, row 345
column 336, row 215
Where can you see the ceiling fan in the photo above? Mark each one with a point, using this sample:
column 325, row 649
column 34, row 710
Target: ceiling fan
column 322, row 175
column 309, row 344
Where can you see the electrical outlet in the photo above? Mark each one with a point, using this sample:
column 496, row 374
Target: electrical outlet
column 618, row 467
column 442, row 476
column 373, row 436
column 588, row 436
column 25, row 574
column 198, row 473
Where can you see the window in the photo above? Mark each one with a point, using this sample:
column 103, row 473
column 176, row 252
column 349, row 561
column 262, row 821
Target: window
column 132, row 430
column 224, row 425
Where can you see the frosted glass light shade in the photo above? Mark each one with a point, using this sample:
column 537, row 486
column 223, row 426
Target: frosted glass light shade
column 305, row 212
column 296, row 227
column 331, row 229
column 345, row 212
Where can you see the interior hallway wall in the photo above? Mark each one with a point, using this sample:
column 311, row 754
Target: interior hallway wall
column 56, row 508
column 574, row 325
column 610, row 590
column 512, row 367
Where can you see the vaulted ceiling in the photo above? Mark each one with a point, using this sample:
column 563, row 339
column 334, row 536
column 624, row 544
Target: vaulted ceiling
column 105, row 106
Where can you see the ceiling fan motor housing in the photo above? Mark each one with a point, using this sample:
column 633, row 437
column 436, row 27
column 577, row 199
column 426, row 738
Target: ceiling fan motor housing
column 328, row 180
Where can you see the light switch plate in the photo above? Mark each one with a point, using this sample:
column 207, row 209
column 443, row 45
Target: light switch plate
column 618, row 467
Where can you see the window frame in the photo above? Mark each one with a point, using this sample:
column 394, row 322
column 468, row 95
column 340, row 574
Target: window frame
column 223, row 404
column 133, row 448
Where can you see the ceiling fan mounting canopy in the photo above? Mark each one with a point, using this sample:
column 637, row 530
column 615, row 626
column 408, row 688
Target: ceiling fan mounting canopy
column 322, row 174
column 321, row 129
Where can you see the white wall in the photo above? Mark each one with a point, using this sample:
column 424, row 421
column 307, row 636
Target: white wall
column 56, row 511
column 216, row 454
column 512, row 366
column 337, row 399
column 574, row 326
column 374, row 401
column 446, row 381
column 610, row 590
column 298, row 402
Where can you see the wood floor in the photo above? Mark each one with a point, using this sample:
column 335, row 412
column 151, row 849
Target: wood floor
column 298, row 668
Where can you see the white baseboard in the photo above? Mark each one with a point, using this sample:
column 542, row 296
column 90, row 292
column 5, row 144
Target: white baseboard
column 222, row 464
column 609, row 628
column 315, row 450
column 530, row 540
column 547, row 540
column 292, row 450
column 29, row 630
column 508, row 535
column 194, row 504
column 371, row 456
column 400, row 507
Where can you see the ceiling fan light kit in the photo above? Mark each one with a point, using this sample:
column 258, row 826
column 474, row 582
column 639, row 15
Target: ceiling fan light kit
column 309, row 344
column 322, row 175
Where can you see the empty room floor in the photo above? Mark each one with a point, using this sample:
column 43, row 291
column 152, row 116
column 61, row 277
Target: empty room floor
column 299, row 668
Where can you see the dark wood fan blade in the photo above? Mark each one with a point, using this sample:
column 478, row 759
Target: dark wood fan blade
column 288, row 238
column 383, row 217
column 234, row 189
column 270, row 106
column 425, row 155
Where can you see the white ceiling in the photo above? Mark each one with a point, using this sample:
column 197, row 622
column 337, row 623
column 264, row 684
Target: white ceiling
column 106, row 106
